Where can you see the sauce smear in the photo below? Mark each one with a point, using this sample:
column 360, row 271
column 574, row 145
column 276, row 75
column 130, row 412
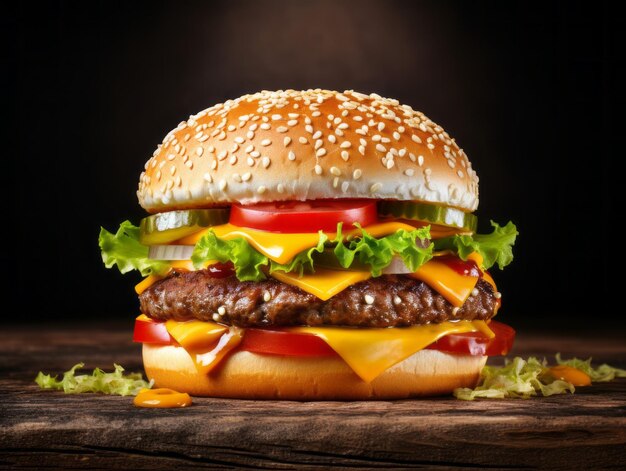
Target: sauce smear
column 161, row 398
column 571, row 375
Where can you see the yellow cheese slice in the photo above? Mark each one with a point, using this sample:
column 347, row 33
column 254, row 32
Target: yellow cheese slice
column 451, row 285
column 283, row 247
column 369, row 352
column 324, row 283
column 206, row 342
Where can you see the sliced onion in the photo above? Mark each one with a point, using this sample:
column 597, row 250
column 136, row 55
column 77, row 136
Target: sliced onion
column 170, row 252
column 397, row 267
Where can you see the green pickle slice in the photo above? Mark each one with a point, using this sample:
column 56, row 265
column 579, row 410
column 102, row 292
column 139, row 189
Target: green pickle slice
column 165, row 227
column 429, row 213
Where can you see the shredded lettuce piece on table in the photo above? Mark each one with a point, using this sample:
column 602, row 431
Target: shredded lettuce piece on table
column 520, row 378
column 114, row 383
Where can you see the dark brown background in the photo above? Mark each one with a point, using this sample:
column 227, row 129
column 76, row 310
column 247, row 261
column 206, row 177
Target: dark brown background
column 533, row 91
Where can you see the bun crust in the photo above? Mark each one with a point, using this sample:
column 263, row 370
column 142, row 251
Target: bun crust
column 247, row 375
column 299, row 145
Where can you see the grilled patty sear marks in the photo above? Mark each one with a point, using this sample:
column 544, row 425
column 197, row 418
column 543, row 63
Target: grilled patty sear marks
column 385, row 301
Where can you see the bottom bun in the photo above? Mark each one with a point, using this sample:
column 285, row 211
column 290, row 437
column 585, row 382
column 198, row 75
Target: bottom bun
column 247, row 375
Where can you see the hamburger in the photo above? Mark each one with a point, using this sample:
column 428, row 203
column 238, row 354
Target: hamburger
column 312, row 245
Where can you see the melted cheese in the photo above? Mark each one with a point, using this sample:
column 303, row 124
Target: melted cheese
column 283, row 247
column 451, row 285
column 369, row 352
column 206, row 342
column 324, row 283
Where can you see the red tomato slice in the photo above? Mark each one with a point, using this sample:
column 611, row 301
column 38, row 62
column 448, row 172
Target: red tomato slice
column 475, row 343
column 304, row 216
column 149, row 331
column 279, row 342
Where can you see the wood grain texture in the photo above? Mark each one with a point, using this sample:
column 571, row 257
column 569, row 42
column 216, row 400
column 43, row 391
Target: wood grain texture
column 50, row 429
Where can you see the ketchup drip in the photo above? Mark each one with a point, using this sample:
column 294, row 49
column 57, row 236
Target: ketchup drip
column 221, row 270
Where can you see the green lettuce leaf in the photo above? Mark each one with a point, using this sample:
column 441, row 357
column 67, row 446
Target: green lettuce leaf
column 246, row 260
column 115, row 383
column 518, row 378
column 303, row 261
column 124, row 250
column 378, row 253
column 602, row 373
column 496, row 247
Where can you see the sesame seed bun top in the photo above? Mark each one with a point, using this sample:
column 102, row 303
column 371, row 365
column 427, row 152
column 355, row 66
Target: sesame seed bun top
column 306, row 145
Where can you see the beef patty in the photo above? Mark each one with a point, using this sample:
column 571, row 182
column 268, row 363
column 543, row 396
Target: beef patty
column 385, row 301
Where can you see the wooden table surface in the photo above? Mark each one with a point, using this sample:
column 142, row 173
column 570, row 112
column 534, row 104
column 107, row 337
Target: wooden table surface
column 50, row 429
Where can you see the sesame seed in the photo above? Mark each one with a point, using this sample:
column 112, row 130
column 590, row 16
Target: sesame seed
column 216, row 317
column 303, row 140
column 286, row 141
column 222, row 155
column 171, row 157
column 415, row 138
column 335, row 182
column 317, row 135
column 293, row 115
column 266, row 142
column 318, row 169
column 250, row 161
column 307, row 120
column 335, row 171
column 381, row 148
column 396, row 135
column 361, row 132
column 221, row 137
column 280, row 188
column 233, row 160
column 236, row 177
column 474, row 292
column 199, row 151
column 346, row 145
column 276, row 117
column 343, row 126
column 267, row 296
column 291, row 156
column 292, row 122
column 363, row 142
column 213, row 164
column 332, row 138
column 255, row 153
column 397, row 300
column 222, row 185
column 375, row 187
column 420, row 160
column 376, row 137
column 320, row 152
column 231, row 128
column 261, row 189
column 265, row 161
column 246, row 176
column 308, row 128
column 319, row 143
column 265, row 126
column 409, row 172
column 362, row 150
column 459, row 173
column 250, row 134
column 339, row 132
column 249, row 149
column 402, row 152
column 369, row 299
column 173, row 170
column 345, row 186
column 497, row 295
column 357, row 174
column 282, row 129
column 345, row 155
column 253, row 127
column 221, row 310
column 451, row 163
column 235, row 147
column 390, row 163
